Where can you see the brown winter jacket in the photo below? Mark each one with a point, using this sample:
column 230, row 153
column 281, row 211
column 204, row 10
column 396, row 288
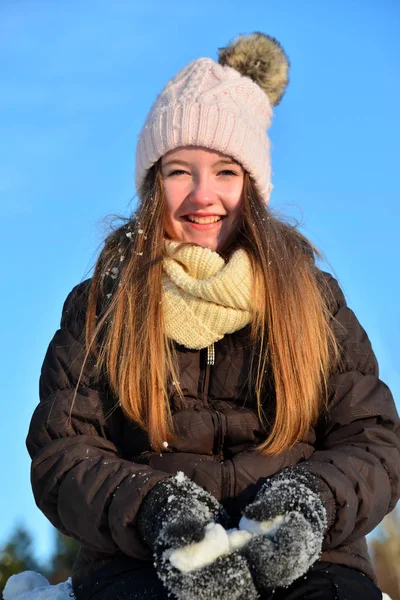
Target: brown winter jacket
column 91, row 467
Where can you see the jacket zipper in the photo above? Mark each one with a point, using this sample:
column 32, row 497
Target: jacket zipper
column 218, row 433
column 226, row 466
column 227, row 479
column 206, row 380
column 210, row 361
column 211, row 354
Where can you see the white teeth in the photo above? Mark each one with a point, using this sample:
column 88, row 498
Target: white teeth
column 203, row 220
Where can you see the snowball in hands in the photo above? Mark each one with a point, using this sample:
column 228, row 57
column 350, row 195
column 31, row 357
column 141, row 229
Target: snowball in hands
column 173, row 520
column 219, row 542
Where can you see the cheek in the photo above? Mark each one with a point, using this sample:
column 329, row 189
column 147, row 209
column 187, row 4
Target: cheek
column 235, row 203
column 171, row 205
column 173, row 197
column 235, row 197
column 170, row 225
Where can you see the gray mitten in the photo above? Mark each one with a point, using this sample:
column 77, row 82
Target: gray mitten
column 291, row 503
column 173, row 516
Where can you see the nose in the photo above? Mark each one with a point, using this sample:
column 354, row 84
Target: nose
column 202, row 193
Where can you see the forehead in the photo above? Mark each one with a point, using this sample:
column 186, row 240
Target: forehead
column 196, row 154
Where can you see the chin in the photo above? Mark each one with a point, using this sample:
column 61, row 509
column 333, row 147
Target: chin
column 214, row 246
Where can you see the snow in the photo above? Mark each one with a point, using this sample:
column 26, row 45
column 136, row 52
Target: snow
column 180, row 477
column 29, row 585
column 220, row 542
column 217, row 543
column 17, row 584
column 200, row 554
column 261, row 527
column 237, row 538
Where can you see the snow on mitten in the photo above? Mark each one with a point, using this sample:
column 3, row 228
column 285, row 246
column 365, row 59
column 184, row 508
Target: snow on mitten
column 227, row 577
column 178, row 510
column 174, row 516
column 289, row 521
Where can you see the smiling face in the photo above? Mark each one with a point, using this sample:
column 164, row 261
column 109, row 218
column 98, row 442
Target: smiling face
column 203, row 196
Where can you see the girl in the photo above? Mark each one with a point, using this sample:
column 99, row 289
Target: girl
column 211, row 423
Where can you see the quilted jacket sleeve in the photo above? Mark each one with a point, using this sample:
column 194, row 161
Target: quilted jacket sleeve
column 357, row 453
column 79, row 479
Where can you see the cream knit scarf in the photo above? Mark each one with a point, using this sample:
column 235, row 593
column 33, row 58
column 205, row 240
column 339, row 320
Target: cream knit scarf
column 203, row 296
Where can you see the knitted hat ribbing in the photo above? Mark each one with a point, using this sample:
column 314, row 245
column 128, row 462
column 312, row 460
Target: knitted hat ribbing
column 217, row 107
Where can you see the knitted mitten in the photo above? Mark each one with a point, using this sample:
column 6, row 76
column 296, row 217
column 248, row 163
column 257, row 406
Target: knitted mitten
column 292, row 540
column 173, row 516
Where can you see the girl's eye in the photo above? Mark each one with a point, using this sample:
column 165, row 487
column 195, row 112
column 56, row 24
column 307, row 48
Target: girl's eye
column 228, row 172
column 176, row 172
column 224, row 173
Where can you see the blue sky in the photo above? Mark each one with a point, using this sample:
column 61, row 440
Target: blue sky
column 77, row 80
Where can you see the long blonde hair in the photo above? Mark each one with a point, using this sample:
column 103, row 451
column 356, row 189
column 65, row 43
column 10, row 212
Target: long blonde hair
column 296, row 348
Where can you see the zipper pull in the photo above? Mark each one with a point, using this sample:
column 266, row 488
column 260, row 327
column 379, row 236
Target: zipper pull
column 211, row 354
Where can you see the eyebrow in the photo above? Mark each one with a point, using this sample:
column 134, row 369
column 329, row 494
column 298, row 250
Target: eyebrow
column 222, row 161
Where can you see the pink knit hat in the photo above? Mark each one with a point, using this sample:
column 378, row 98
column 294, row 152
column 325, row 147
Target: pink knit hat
column 225, row 106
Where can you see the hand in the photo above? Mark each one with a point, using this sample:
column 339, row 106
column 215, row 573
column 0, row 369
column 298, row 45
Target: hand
column 175, row 516
column 225, row 578
column 291, row 503
column 177, row 510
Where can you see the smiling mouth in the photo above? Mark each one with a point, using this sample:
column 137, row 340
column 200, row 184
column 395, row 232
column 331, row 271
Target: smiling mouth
column 203, row 220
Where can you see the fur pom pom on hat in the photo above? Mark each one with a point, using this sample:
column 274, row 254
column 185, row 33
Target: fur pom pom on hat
column 262, row 58
column 224, row 106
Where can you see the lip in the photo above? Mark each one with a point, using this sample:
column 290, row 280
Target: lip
column 203, row 214
column 203, row 226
